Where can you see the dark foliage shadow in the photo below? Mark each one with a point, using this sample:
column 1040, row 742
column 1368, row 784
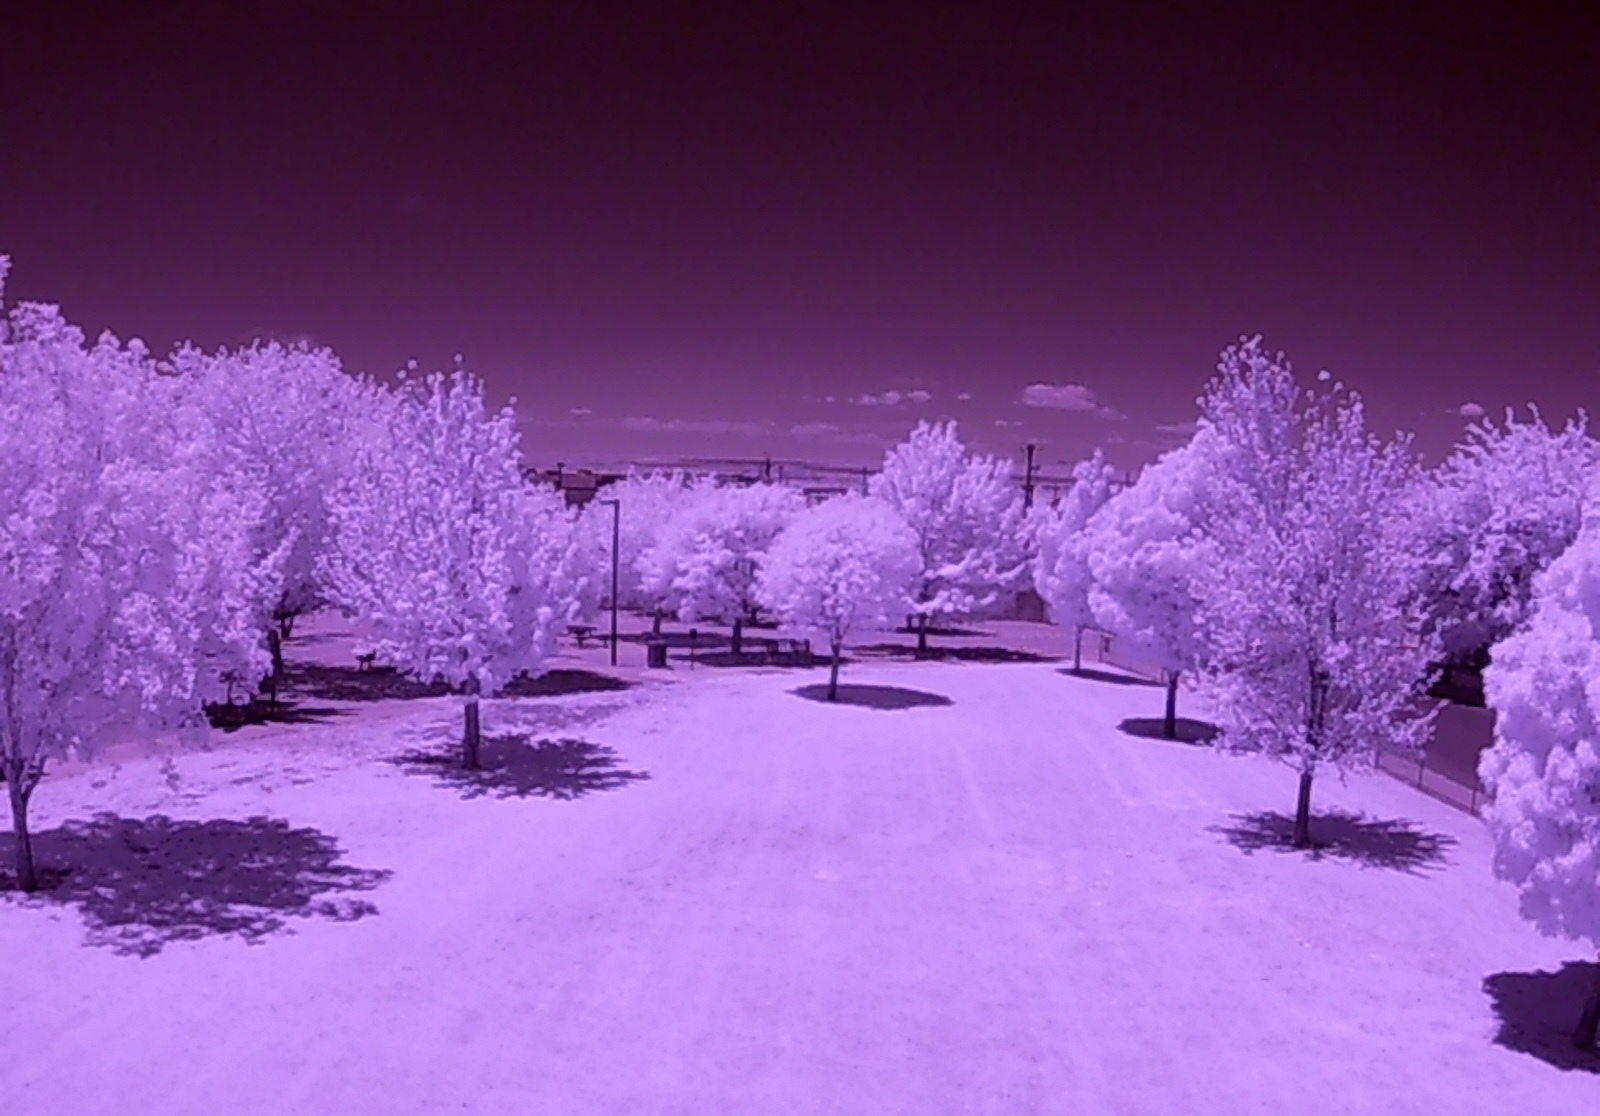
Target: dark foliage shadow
column 231, row 718
column 872, row 697
column 553, row 683
column 331, row 683
column 515, row 767
column 1095, row 675
column 1463, row 690
column 1189, row 731
column 1538, row 1013
column 141, row 883
column 954, row 654
column 1341, row 835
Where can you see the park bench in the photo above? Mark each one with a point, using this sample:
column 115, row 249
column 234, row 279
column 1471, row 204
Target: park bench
column 365, row 659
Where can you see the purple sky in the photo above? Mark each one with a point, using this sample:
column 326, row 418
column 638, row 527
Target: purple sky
column 713, row 234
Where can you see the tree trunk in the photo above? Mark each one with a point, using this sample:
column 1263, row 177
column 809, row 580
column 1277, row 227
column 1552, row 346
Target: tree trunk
column 286, row 625
column 738, row 636
column 1302, row 813
column 471, row 734
column 655, row 624
column 833, row 672
column 1077, row 650
column 1169, row 727
column 20, row 783
column 1589, row 1022
column 275, row 646
column 922, row 636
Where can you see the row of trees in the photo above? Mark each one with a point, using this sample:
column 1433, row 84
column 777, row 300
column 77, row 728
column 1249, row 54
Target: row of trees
column 166, row 520
column 1267, row 557
column 1315, row 578
column 938, row 534
column 694, row 550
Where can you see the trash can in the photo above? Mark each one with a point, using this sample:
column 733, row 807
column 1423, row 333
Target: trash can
column 655, row 653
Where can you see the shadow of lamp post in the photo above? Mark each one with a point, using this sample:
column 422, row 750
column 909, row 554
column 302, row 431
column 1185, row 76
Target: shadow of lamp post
column 616, row 533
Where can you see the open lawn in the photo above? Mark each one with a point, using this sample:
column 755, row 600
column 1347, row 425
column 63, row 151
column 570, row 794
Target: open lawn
column 965, row 889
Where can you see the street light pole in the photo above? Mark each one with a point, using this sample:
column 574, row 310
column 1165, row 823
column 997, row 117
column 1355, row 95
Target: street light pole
column 1027, row 483
column 616, row 534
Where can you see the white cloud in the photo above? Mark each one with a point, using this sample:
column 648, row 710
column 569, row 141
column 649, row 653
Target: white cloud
column 579, row 411
column 1184, row 428
column 964, row 396
column 1067, row 397
column 892, row 398
column 695, row 426
column 1470, row 410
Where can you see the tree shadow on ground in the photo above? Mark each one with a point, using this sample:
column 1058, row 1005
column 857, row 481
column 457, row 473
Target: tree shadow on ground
column 1189, row 730
column 954, row 654
column 553, row 683
column 1538, row 1013
column 232, row 718
column 704, row 641
column 515, row 767
column 142, row 883
column 755, row 659
column 1094, row 675
column 936, row 632
column 872, row 697
column 378, row 683
column 1341, row 835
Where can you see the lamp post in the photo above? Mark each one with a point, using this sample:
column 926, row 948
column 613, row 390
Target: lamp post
column 616, row 535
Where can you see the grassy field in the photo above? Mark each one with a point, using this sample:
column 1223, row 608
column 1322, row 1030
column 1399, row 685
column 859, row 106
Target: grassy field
column 975, row 886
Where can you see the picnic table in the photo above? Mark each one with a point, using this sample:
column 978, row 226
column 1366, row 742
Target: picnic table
column 788, row 652
column 581, row 633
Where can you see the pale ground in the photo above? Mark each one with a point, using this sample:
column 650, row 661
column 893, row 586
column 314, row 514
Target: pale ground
column 720, row 897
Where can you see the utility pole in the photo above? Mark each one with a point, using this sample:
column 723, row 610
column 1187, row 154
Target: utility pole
column 616, row 537
column 1027, row 481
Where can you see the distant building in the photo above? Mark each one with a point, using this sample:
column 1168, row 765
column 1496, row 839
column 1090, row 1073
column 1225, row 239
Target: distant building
column 577, row 486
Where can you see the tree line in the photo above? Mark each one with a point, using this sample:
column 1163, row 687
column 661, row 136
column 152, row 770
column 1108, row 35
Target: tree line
column 164, row 521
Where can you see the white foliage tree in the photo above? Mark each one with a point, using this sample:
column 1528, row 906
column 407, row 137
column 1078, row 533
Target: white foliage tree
column 278, row 420
column 110, row 590
column 707, row 555
column 968, row 519
column 1060, row 560
column 1144, row 548
column 845, row 564
column 465, row 572
column 1543, row 771
column 1311, row 654
column 647, row 502
column 1494, row 514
